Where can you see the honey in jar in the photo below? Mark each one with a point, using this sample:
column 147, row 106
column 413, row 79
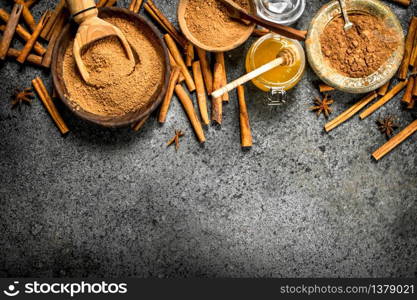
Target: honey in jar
column 281, row 78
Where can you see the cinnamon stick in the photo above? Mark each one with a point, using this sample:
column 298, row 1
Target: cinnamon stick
column 110, row 3
column 205, row 68
column 414, row 92
column 160, row 18
column 46, row 99
column 261, row 31
column 201, row 93
column 173, row 64
column 47, row 28
column 220, row 59
column 31, row 42
column 408, row 95
column 56, row 32
column 38, row 48
column 384, row 89
column 403, row 71
column 132, row 5
column 173, row 79
column 411, row 104
column 324, row 88
column 189, row 109
column 394, row 91
column 289, row 32
column 402, row 2
column 139, row 125
column 217, row 105
column 395, row 141
column 172, row 61
column 189, row 55
column 138, row 6
column 55, row 16
column 32, row 58
column 413, row 56
column 349, row 113
column 10, row 30
column 414, row 70
column 135, row 5
column 29, row 3
column 178, row 59
column 27, row 15
column 245, row 131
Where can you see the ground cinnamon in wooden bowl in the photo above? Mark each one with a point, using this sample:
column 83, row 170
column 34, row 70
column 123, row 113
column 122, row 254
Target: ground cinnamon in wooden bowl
column 119, row 93
column 362, row 50
column 208, row 25
column 364, row 58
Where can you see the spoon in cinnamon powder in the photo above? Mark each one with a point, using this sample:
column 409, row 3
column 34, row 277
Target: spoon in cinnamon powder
column 92, row 29
column 286, row 57
column 348, row 24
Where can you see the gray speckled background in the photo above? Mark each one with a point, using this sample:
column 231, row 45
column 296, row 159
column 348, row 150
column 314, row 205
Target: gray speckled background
column 107, row 202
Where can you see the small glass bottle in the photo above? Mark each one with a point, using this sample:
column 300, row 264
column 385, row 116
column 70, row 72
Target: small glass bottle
column 285, row 12
column 282, row 78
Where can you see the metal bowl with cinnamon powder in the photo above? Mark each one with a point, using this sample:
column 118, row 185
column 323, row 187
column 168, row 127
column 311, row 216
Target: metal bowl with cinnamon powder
column 120, row 92
column 208, row 25
column 361, row 59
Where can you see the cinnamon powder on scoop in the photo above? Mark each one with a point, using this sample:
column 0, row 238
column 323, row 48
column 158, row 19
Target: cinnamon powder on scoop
column 117, row 86
column 360, row 51
column 211, row 24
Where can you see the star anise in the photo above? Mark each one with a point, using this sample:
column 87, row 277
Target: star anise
column 24, row 96
column 323, row 106
column 176, row 139
column 387, row 126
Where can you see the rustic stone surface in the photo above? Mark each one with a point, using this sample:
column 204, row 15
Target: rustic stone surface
column 107, row 202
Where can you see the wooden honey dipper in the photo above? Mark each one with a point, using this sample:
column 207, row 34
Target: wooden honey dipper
column 286, row 57
column 92, row 29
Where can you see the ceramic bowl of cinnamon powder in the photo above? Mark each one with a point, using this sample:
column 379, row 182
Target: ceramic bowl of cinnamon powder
column 208, row 25
column 361, row 59
column 119, row 92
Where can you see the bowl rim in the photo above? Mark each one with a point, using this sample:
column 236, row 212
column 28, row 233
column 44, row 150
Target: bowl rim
column 326, row 73
column 112, row 122
column 182, row 4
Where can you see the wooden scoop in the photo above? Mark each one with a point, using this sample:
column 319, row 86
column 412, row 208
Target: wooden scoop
column 286, row 57
column 91, row 29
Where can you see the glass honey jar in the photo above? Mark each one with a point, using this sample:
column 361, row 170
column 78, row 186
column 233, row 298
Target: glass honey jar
column 282, row 78
column 285, row 12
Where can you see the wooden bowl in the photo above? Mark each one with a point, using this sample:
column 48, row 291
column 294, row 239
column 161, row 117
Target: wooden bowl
column 329, row 75
column 184, row 28
column 68, row 35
